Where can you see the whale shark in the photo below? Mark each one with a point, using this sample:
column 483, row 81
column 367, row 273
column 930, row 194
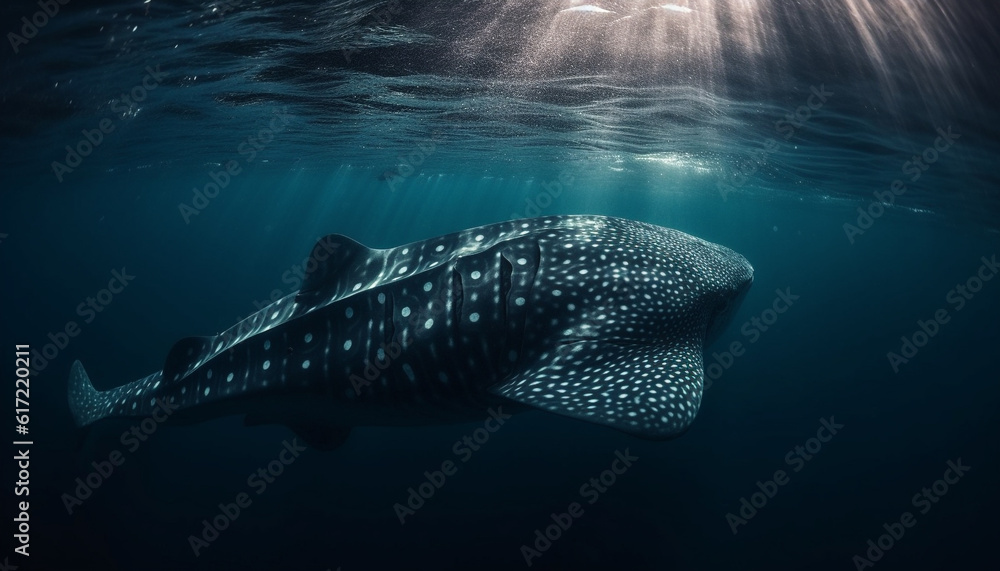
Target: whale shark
column 595, row 318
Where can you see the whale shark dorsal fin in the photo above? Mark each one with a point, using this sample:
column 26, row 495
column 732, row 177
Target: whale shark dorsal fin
column 647, row 390
column 185, row 356
column 333, row 255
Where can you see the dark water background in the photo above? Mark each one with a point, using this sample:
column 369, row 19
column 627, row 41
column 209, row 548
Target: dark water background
column 399, row 122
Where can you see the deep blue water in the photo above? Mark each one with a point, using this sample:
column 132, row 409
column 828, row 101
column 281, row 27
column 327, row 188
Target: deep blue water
column 395, row 122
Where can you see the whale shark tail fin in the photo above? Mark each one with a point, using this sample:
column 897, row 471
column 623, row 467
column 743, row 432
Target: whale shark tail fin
column 84, row 399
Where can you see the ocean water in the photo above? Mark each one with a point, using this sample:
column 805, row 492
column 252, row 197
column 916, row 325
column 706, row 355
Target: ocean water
column 195, row 151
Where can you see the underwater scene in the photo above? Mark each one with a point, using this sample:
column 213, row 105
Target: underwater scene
column 355, row 285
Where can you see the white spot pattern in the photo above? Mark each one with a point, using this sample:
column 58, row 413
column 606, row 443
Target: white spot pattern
column 655, row 291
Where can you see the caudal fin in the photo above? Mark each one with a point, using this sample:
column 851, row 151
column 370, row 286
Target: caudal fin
column 134, row 399
column 85, row 402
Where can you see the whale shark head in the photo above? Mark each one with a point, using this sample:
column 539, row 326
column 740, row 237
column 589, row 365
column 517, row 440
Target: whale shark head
column 621, row 313
column 731, row 276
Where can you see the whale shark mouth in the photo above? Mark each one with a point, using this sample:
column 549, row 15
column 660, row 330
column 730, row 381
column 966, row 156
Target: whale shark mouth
column 722, row 316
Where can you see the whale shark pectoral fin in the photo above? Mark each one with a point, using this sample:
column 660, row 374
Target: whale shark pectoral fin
column 333, row 255
column 319, row 435
column 185, row 356
column 650, row 391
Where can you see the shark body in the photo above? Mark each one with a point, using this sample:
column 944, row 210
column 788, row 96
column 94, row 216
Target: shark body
column 596, row 318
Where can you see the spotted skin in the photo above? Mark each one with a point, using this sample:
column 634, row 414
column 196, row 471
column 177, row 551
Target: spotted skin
column 596, row 318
